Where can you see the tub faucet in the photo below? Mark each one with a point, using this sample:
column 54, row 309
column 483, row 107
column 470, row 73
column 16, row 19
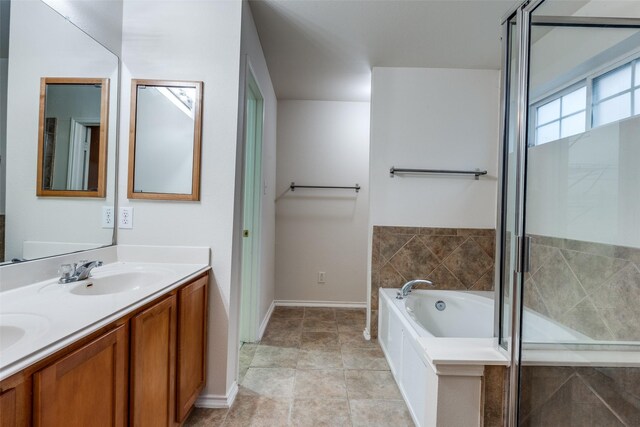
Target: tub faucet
column 81, row 271
column 406, row 288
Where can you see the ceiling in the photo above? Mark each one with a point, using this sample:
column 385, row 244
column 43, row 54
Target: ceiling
column 325, row 49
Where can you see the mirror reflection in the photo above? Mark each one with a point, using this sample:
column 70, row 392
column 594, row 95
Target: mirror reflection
column 36, row 134
column 73, row 137
column 165, row 144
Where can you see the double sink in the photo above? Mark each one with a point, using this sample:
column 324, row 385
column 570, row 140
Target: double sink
column 37, row 316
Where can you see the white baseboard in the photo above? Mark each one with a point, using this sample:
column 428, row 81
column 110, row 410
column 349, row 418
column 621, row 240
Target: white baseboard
column 214, row 401
column 328, row 304
column 265, row 321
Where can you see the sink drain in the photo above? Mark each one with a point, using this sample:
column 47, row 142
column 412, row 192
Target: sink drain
column 440, row 305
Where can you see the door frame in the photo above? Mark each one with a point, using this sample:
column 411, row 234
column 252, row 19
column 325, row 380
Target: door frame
column 252, row 191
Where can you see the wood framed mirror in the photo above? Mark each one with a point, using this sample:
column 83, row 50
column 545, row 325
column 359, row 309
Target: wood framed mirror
column 165, row 138
column 72, row 137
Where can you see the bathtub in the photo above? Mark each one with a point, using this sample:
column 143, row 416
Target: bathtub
column 437, row 344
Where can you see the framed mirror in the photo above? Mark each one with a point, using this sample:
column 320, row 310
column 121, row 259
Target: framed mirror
column 164, row 140
column 72, row 137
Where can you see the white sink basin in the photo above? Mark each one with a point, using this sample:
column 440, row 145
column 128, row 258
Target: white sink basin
column 16, row 327
column 117, row 282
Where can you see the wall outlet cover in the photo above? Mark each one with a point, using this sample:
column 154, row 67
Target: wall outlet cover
column 125, row 217
column 107, row 217
column 322, row 277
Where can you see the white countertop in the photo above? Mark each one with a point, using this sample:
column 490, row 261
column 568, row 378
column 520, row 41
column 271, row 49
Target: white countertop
column 56, row 317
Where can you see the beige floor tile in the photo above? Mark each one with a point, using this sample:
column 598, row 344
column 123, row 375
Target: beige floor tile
column 288, row 312
column 268, row 382
column 350, row 325
column 283, row 324
column 319, row 340
column 320, row 412
column 268, row 356
column 318, row 325
column 203, row 417
column 371, row 385
column 328, row 383
column 380, row 413
column 320, row 359
column 320, row 313
column 354, row 338
column 364, row 358
column 282, row 338
column 250, row 411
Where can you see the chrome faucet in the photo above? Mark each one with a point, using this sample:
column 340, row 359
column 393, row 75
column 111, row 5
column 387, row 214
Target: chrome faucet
column 406, row 288
column 75, row 272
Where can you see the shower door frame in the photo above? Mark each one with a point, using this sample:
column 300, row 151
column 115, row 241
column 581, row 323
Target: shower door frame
column 522, row 13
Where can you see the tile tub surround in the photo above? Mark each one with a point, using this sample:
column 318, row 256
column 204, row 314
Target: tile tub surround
column 590, row 287
column 565, row 396
column 312, row 367
column 453, row 258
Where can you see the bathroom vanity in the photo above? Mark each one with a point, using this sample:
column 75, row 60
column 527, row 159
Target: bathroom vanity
column 125, row 347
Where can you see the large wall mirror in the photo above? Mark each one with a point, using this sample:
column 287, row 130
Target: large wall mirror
column 165, row 140
column 72, row 137
column 37, row 43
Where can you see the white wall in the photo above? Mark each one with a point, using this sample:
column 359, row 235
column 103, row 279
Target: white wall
column 434, row 119
column 4, row 66
column 203, row 44
column 251, row 50
column 100, row 18
column 67, row 53
column 322, row 143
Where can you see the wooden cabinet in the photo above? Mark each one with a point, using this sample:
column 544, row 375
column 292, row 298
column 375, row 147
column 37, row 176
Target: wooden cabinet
column 192, row 345
column 86, row 387
column 153, row 361
column 144, row 369
column 15, row 402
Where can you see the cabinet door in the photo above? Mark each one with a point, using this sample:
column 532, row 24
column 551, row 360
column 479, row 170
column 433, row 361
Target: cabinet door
column 192, row 344
column 153, row 350
column 86, row 388
column 15, row 402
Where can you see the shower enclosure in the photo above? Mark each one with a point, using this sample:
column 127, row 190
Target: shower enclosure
column 570, row 217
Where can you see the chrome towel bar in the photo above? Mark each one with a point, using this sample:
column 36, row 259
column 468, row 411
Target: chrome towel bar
column 477, row 173
column 293, row 187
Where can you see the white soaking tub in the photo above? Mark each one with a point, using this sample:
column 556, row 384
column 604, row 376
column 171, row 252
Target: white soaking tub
column 437, row 357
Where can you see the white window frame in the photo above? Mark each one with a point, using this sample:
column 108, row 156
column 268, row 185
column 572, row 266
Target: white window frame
column 588, row 81
column 553, row 97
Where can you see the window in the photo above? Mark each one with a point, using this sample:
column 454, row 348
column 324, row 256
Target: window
column 562, row 116
column 616, row 94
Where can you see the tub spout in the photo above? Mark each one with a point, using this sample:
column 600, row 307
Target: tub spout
column 406, row 288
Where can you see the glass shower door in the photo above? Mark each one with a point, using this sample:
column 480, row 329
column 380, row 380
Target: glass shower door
column 580, row 336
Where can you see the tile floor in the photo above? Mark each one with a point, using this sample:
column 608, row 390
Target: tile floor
column 312, row 368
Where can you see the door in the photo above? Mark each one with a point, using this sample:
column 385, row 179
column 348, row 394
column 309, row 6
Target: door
column 87, row 387
column 573, row 278
column 82, row 170
column 153, row 361
column 192, row 344
column 253, row 190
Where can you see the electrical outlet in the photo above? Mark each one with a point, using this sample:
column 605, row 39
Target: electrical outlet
column 107, row 217
column 125, row 217
column 321, row 277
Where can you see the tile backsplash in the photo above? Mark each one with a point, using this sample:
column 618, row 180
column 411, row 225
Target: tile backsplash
column 590, row 287
column 453, row 258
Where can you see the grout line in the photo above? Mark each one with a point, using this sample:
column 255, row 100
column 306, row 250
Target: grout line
column 549, row 396
column 604, row 402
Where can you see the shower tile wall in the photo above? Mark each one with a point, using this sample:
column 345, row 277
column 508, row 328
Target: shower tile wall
column 453, row 258
column 576, row 397
column 590, row 287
